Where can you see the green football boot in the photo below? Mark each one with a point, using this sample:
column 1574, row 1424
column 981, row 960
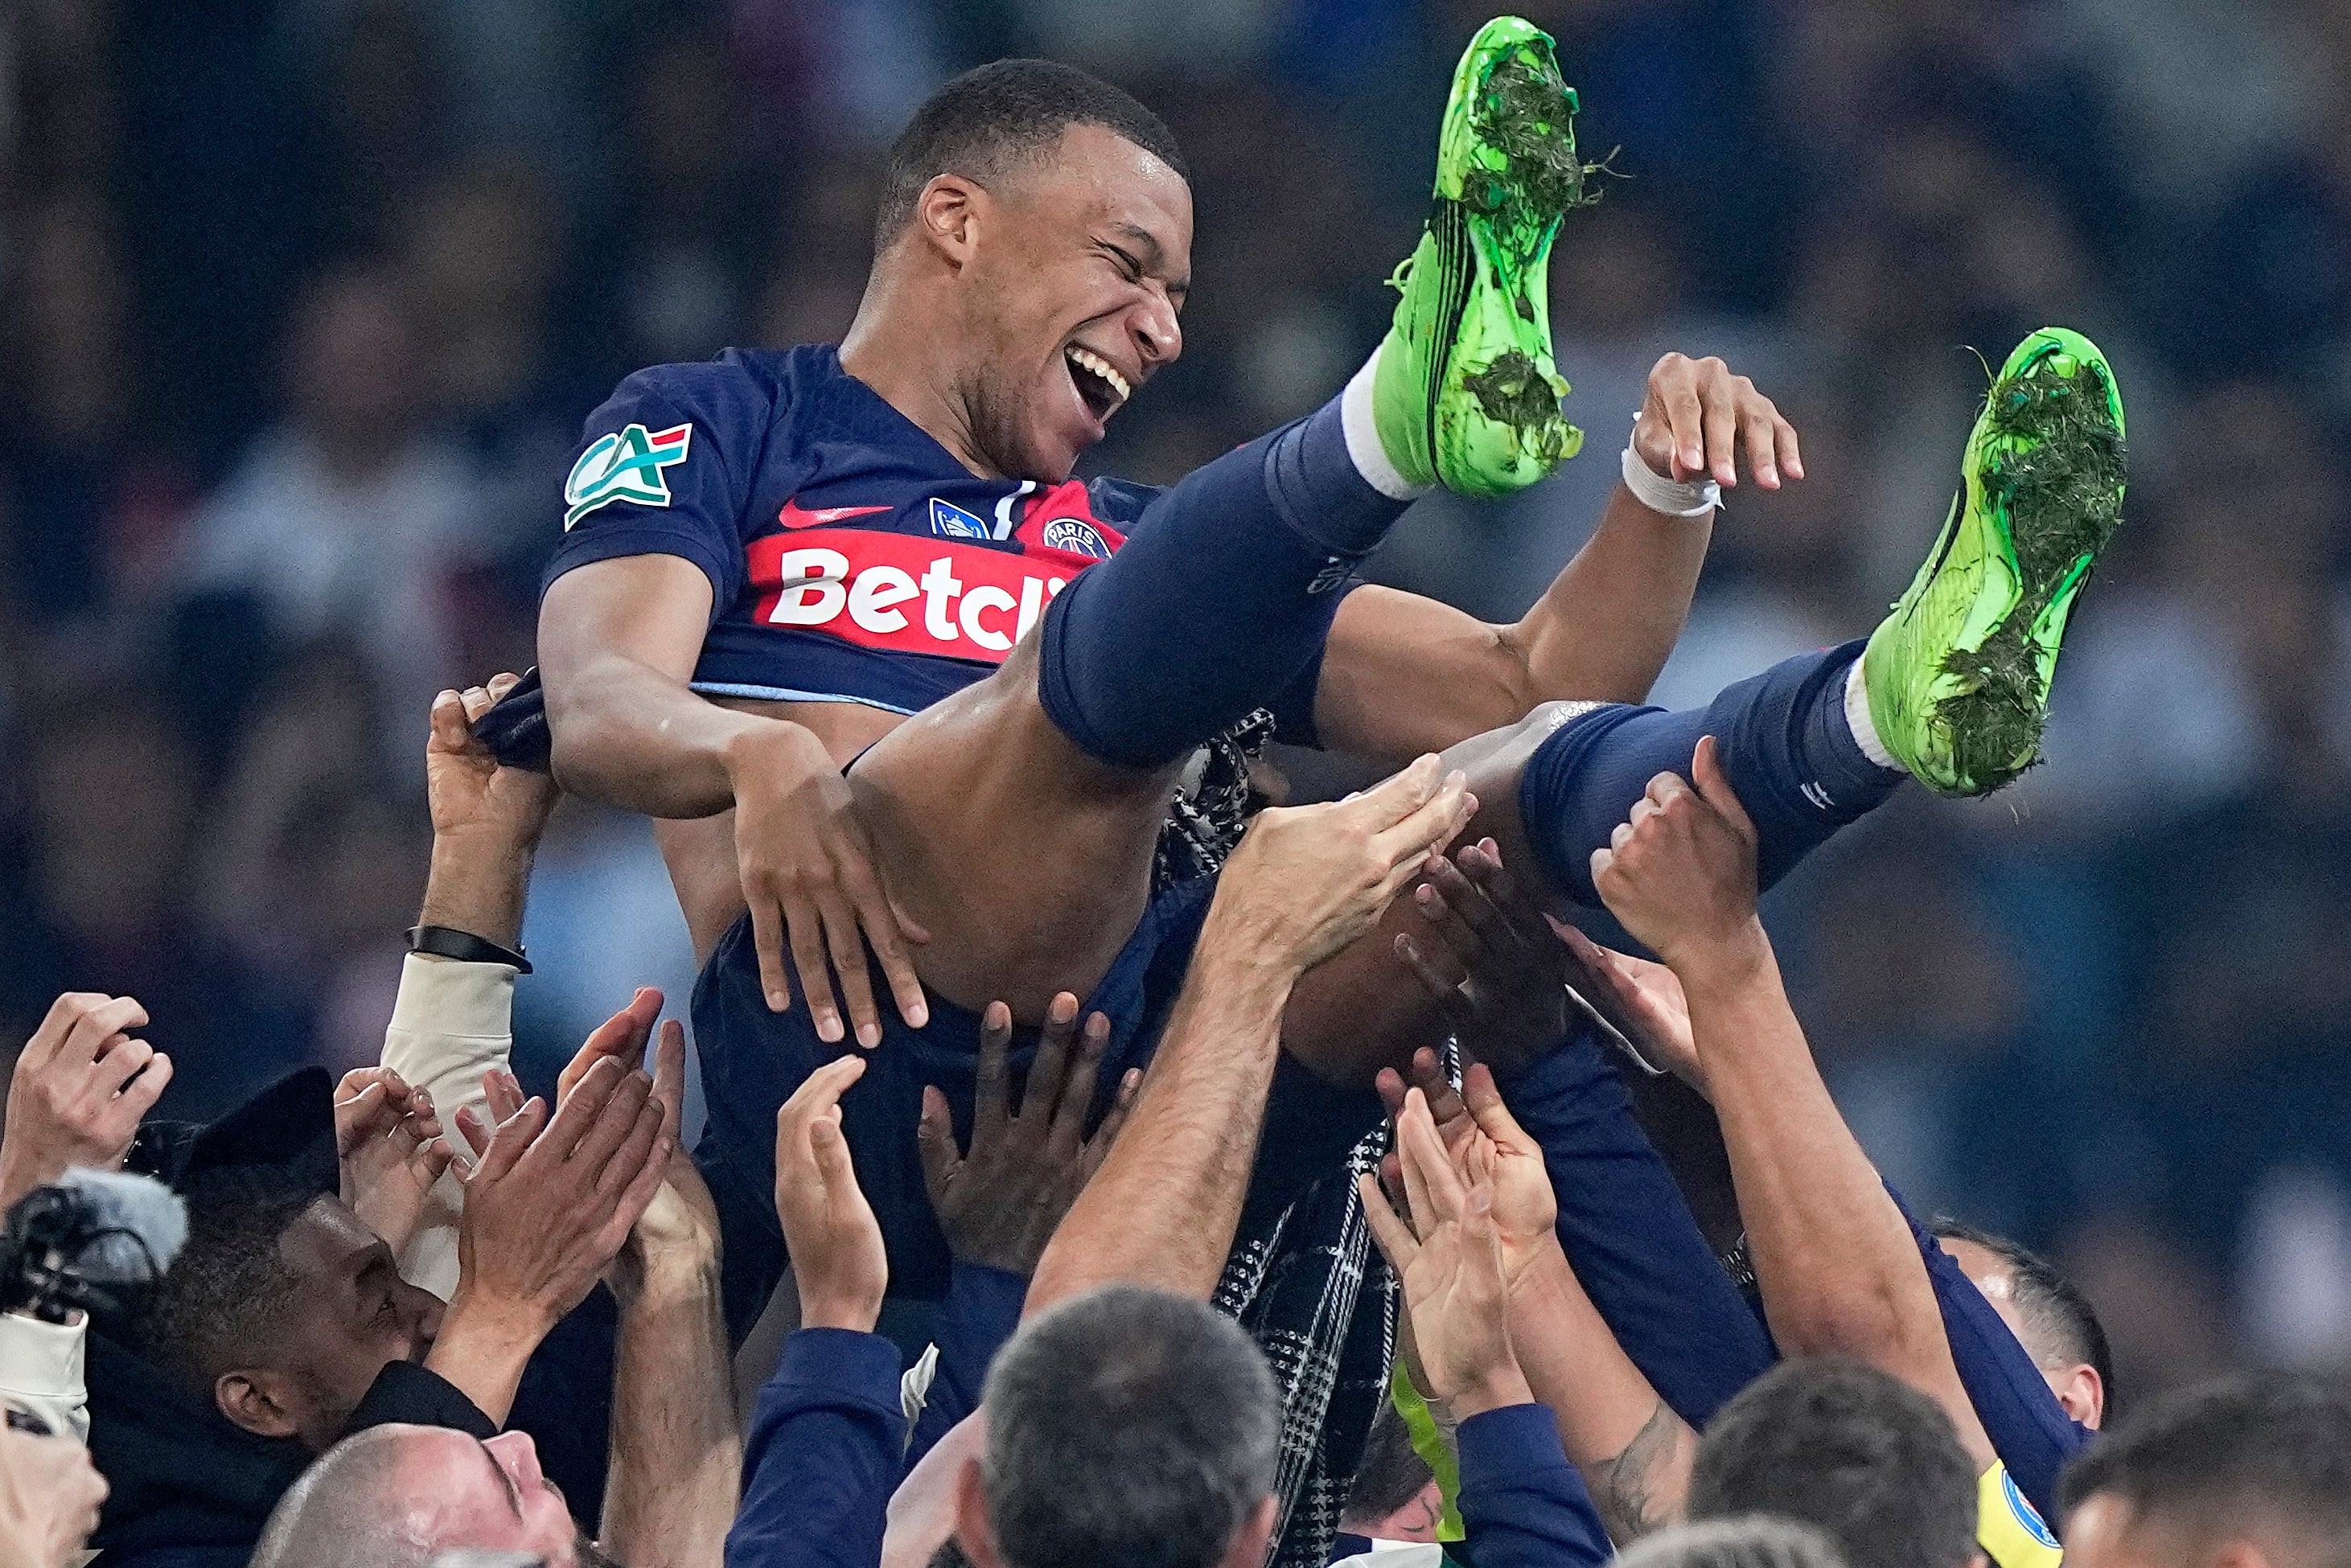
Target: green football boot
column 1465, row 394
column 1958, row 676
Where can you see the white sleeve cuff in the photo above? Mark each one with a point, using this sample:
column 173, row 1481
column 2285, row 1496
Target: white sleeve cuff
column 41, row 1370
column 451, row 1022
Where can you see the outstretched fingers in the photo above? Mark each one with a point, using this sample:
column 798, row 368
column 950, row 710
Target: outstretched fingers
column 1122, row 1105
column 1396, row 1242
column 888, row 930
column 991, row 1097
column 621, row 1038
column 1066, row 1133
column 1408, row 841
column 505, row 1145
column 1484, row 1102
column 1430, row 1179
column 819, row 1094
column 668, row 1076
column 935, row 1141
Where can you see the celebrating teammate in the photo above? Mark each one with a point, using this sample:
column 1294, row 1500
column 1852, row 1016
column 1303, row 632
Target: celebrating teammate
column 852, row 538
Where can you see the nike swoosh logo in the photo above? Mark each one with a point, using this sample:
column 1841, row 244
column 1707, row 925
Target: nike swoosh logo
column 795, row 516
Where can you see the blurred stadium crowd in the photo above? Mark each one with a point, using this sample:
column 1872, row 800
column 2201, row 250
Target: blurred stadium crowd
column 304, row 300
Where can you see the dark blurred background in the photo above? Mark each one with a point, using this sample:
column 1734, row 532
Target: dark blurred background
column 304, row 302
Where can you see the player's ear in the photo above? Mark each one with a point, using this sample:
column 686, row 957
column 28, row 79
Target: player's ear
column 2083, row 1395
column 946, row 216
column 256, row 1402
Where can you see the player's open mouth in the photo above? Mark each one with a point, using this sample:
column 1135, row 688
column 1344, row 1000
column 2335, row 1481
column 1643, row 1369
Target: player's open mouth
column 1099, row 384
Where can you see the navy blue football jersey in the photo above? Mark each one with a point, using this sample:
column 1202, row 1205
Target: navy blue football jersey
column 850, row 558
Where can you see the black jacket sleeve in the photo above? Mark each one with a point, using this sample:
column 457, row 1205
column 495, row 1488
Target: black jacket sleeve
column 412, row 1394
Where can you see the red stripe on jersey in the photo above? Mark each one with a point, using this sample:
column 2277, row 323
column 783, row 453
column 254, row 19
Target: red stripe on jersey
column 906, row 593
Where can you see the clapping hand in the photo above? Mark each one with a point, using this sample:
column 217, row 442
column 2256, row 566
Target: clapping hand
column 999, row 1201
column 680, row 1227
column 552, row 1199
column 81, row 1087
column 389, row 1142
column 1448, row 1253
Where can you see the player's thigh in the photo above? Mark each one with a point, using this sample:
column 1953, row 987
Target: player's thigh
column 1364, row 1009
column 1027, row 860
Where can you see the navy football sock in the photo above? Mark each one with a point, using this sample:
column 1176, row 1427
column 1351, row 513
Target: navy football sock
column 1220, row 598
column 1785, row 746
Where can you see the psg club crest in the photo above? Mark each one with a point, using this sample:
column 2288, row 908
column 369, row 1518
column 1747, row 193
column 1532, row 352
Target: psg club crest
column 626, row 466
column 1076, row 535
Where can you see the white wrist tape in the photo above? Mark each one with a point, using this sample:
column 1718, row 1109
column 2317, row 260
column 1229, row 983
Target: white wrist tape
column 1685, row 499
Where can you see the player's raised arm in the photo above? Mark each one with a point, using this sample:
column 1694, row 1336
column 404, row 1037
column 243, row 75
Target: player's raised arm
column 617, row 640
column 1838, row 1269
column 653, row 544
column 1404, row 674
column 1305, row 882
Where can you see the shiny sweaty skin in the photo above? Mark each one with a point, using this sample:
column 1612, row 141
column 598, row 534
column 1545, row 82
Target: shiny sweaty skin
column 1090, row 253
column 994, row 822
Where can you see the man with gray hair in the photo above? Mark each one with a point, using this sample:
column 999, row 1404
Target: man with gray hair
column 1128, row 1426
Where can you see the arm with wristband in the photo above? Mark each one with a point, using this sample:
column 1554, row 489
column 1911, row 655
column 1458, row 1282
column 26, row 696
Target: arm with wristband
column 451, row 1020
column 1403, row 674
column 652, row 552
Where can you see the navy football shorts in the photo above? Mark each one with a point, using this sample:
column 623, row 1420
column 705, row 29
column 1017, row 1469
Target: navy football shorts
column 753, row 1059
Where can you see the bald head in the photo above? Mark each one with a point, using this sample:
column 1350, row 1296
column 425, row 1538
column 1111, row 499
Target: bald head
column 399, row 1495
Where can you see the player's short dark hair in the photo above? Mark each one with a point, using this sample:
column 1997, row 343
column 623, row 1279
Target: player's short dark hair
column 226, row 1292
column 1390, row 1473
column 2060, row 1327
column 995, row 116
column 1127, row 1426
column 2260, row 1453
column 1872, row 1463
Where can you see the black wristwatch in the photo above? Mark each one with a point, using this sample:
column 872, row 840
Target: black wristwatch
column 446, row 942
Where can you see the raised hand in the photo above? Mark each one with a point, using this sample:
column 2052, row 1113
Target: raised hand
column 486, row 820
column 679, row 1229
column 1448, row 1256
column 1696, row 416
column 1488, row 957
column 681, row 1224
column 808, row 876
column 551, row 1201
column 999, row 1202
column 49, row 1497
column 466, row 789
column 1486, row 1145
column 81, row 1087
column 1679, row 872
column 829, row 1232
column 1648, row 997
column 621, row 1038
column 1307, row 880
column 389, row 1140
